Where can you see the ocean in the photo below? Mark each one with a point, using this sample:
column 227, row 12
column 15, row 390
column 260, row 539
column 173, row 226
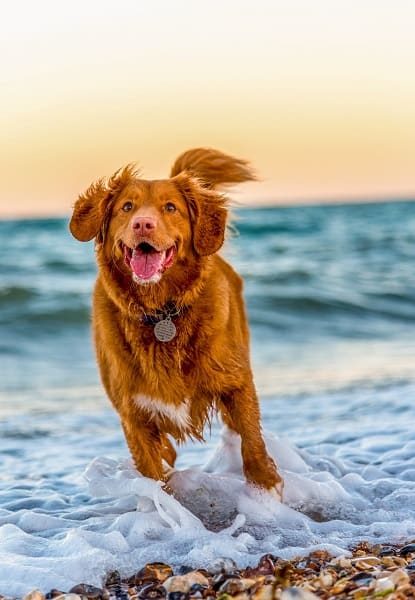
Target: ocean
column 330, row 292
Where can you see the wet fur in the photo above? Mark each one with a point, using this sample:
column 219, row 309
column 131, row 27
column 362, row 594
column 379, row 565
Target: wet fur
column 207, row 364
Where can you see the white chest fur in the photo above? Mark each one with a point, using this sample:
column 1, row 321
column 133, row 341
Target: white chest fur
column 159, row 410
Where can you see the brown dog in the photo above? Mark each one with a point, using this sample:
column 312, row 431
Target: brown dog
column 169, row 320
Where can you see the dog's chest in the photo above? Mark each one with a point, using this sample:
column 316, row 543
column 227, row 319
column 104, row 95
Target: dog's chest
column 164, row 413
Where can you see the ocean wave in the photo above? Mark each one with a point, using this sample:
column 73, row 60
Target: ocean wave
column 62, row 317
column 317, row 305
column 11, row 295
column 308, row 265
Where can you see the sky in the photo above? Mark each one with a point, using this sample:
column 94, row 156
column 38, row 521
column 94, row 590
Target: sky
column 318, row 94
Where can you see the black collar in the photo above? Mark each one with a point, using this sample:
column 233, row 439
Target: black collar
column 169, row 310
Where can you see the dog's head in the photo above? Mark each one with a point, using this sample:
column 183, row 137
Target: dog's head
column 149, row 227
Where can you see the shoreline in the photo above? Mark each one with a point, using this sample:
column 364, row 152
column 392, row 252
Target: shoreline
column 370, row 571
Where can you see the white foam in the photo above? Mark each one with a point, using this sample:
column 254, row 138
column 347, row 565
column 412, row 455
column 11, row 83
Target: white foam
column 128, row 520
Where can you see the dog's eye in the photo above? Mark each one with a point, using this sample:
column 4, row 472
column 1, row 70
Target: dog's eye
column 127, row 206
column 170, row 207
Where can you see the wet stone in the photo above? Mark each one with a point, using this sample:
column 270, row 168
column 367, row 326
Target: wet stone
column 199, row 591
column 384, row 586
column 183, row 583
column 222, row 565
column 387, row 551
column 220, row 579
column 399, row 577
column 177, row 596
column 232, row 586
column 151, row 591
column 265, row 592
column 297, row 593
column 408, row 549
column 89, row 591
column 152, row 572
column 34, row 595
column 266, row 564
column 184, row 569
column 362, row 578
column 113, row 578
column 54, row 594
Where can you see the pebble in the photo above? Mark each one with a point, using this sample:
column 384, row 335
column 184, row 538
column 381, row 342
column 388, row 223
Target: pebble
column 368, row 573
column 232, row 586
column 408, row 549
column 35, row 595
column 264, row 592
column 362, row 578
column 89, row 591
column 183, row 583
column 399, row 577
column 222, row 565
column 54, row 594
column 387, row 551
column 150, row 591
column 177, row 596
column 384, row 585
column 153, row 572
column 297, row 593
column 366, row 563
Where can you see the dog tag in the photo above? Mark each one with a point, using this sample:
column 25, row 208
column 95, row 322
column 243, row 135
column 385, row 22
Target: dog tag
column 165, row 330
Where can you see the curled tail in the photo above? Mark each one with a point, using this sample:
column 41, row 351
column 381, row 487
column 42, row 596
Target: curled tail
column 213, row 168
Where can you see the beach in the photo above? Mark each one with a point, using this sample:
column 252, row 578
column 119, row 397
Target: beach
column 331, row 304
column 366, row 572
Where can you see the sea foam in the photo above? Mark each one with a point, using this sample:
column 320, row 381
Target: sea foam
column 128, row 520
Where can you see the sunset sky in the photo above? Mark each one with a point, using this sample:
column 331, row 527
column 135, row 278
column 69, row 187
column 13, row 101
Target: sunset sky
column 318, row 94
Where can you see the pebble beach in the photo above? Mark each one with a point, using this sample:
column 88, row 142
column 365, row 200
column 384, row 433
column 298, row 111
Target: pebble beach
column 381, row 571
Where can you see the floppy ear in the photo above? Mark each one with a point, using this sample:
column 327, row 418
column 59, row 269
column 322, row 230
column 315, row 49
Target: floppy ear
column 89, row 211
column 207, row 213
column 92, row 208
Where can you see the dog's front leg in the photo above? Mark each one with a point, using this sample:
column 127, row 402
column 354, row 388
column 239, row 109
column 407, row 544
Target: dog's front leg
column 146, row 445
column 240, row 411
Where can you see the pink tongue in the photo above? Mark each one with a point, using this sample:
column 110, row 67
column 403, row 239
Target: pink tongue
column 145, row 265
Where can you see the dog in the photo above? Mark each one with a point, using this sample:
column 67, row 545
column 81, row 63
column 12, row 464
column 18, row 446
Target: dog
column 169, row 320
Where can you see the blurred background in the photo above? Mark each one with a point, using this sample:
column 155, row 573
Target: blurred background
column 318, row 95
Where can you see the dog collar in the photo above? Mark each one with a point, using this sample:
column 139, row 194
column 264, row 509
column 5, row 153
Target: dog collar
column 164, row 328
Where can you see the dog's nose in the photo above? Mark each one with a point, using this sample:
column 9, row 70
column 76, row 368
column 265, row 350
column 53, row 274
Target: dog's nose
column 144, row 224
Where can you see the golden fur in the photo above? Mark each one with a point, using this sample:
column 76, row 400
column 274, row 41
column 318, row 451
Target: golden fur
column 156, row 244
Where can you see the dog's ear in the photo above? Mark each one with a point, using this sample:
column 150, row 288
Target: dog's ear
column 208, row 214
column 213, row 168
column 91, row 210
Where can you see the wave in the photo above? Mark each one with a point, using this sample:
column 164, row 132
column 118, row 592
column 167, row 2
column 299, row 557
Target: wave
column 308, row 265
column 16, row 294
column 400, row 307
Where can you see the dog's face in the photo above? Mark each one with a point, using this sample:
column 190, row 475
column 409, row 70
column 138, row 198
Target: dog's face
column 150, row 227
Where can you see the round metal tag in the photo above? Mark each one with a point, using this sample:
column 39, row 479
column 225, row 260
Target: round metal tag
column 165, row 330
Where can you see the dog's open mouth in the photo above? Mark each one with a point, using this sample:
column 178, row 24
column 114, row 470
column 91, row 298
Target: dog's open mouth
column 146, row 262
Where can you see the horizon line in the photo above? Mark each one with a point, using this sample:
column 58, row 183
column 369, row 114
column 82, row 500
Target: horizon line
column 238, row 205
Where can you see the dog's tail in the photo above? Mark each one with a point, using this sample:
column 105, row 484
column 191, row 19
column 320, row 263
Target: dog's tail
column 213, row 168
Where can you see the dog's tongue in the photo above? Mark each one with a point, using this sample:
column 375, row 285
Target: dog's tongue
column 146, row 264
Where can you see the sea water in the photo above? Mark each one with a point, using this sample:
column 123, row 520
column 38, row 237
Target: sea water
column 331, row 300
